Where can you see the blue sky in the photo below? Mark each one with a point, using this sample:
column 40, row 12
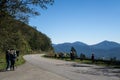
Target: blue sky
column 88, row 21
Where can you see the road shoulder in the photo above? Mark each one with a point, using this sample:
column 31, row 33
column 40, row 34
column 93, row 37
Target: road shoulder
column 28, row 71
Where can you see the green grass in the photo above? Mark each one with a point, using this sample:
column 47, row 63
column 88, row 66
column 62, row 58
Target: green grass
column 20, row 60
column 3, row 61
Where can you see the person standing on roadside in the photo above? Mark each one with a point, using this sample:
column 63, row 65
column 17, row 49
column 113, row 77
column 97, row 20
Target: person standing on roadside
column 8, row 60
column 71, row 55
column 13, row 58
column 93, row 58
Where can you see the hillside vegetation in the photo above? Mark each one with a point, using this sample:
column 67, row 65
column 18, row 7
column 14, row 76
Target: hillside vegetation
column 20, row 36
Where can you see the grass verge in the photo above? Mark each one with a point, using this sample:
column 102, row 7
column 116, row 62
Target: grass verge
column 3, row 61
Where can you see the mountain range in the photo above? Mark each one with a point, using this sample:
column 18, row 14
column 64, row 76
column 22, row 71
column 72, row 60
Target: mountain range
column 106, row 49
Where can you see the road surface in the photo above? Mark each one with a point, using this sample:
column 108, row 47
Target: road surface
column 40, row 68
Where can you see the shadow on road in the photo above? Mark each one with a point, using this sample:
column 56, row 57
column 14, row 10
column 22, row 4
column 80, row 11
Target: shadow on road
column 2, row 70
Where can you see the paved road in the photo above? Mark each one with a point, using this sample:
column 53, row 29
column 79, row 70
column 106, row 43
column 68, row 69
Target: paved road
column 39, row 68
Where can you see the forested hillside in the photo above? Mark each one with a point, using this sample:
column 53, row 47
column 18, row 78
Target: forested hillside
column 15, row 33
column 18, row 35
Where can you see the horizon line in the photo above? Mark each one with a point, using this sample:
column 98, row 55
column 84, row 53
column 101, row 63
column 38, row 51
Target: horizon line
column 86, row 42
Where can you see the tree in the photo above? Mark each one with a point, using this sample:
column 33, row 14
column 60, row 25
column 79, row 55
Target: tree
column 82, row 56
column 73, row 49
column 73, row 53
column 22, row 9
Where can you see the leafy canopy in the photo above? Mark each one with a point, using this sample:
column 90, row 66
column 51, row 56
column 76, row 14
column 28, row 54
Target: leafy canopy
column 22, row 9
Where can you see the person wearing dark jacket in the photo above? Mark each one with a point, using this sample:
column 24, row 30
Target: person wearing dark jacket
column 13, row 58
column 7, row 56
column 93, row 58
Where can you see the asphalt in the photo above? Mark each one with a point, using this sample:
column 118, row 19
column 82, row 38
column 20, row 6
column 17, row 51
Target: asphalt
column 39, row 68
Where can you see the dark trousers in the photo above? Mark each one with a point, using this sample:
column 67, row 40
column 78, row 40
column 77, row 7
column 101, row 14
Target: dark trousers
column 12, row 64
column 8, row 64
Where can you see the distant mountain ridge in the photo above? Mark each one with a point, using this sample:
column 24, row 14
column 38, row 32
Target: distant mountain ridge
column 106, row 45
column 108, row 49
